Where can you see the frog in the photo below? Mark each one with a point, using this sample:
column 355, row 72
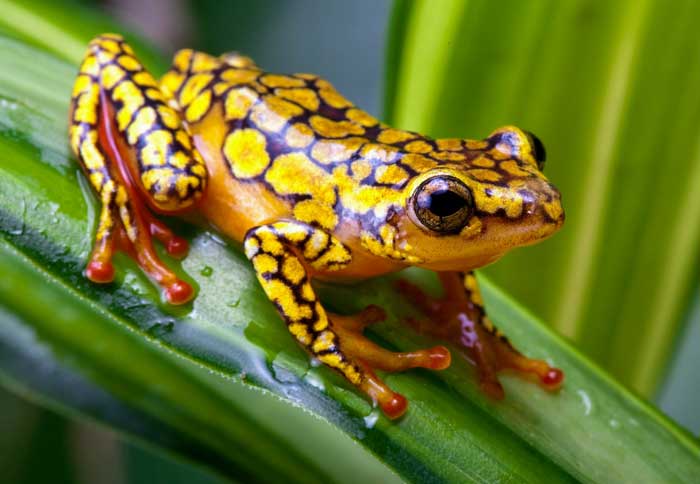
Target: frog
column 312, row 188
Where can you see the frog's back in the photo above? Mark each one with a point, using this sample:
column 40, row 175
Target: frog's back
column 281, row 146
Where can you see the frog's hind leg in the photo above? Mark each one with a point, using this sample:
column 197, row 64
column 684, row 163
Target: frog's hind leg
column 137, row 156
column 459, row 316
column 280, row 253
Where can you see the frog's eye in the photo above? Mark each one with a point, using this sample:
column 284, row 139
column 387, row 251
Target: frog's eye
column 538, row 150
column 443, row 204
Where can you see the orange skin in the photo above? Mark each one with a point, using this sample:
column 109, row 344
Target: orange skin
column 314, row 188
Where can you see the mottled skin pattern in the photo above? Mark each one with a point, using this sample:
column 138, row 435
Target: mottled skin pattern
column 313, row 187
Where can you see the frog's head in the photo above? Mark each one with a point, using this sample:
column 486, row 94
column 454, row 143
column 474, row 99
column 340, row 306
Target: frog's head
column 466, row 214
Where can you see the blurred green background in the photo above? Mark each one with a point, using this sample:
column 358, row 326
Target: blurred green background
column 344, row 42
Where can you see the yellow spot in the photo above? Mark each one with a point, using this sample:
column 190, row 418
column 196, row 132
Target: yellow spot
column 500, row 152
column 184, row 139
column 143, row 122
column 318, row 242
column 204, row 62
column 273, row 113
column 130, row 95
column 107, row 44
column 181, row 61
column 157, row 180
column 221, row 87
column 155, row 95
column 449, row 156
column 292, row 270
column 283, row 295
column 476, row 144
column 295, row 174
column 418, row 146
column 305, row 76
column 234, row 59
column 300, row 332
column 335, row 129
column 86, row 110
column 554, row 210
column 451, row 144
column 145, row 79
column 307, row 293
column 265, row 263
column 501, row 198
column 385, row 247
column 391, row 136
column 182, row 186
column 82, row 83
column 292, row 231
column 305, row 97
column 361, row 169
column 199, row 107
column 472, row 229
column 129, row 63
column 333, row 360
column 484, row 175
column 380, row 152
column 330, row 96
column 483, row 161
column 252, row 247
column 157, row 148
column 335, row 151
column 299, row 135
column 239, row 76
column 169, row 117
column 336, row 257
column 391, row 174
column 90, row 66
column 513, row 168
column 169, row 83
column 245, row 152
column 179, row 160
column 314, row 212
column 193, row 87
column 270, row 242
column 274, row 80
column 238, row 102
column 91, row 156
column 111, row 75
column 96, row 178
column 361, row 117
column 324, row 342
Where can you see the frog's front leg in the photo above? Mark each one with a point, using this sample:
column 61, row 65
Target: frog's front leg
column 137, row 156
column 459, row 316
column 281, row 253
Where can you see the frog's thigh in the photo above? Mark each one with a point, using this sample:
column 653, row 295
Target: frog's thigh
column 277, row 251
column 136, row 153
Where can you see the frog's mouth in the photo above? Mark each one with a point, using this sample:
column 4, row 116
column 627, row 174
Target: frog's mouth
column 497, row 238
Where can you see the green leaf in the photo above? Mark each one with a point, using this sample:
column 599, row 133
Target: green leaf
column 223, row 384
column 610, row 88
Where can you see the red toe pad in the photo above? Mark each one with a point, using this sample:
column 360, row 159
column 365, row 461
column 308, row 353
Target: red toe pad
column 179, row 292
column 100, row 272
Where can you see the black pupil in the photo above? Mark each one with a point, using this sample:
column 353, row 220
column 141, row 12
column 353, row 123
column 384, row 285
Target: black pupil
column 444, row 203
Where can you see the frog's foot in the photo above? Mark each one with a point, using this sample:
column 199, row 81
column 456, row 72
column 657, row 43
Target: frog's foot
column 459, row 317
column 370, row 357
column 139, row 247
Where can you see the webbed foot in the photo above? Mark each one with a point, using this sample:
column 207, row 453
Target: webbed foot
column 370, row 357
column 459, row 317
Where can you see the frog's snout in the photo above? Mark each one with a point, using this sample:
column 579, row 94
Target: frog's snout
column 542, row 202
